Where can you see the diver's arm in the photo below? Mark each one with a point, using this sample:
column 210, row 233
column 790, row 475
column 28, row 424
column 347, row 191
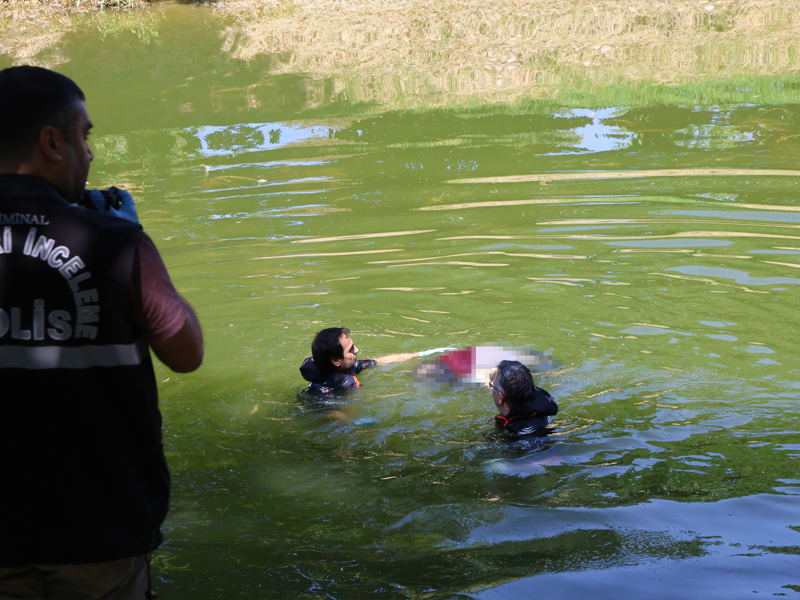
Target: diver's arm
column 404, row 356
column 396, row 358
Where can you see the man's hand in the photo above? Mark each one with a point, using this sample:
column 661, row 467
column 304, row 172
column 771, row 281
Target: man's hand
column 183, row 352
column 116, row 202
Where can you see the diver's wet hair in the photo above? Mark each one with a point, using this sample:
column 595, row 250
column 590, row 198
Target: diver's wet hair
column 30, row 99
column 327, row 347
column 516, row 381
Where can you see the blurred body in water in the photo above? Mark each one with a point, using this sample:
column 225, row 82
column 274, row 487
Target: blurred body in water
column 472, row 366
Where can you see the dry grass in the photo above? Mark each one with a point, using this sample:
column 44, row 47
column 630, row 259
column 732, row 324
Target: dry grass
column 498, row 50
column 28, row 29
column 443, row 52
column 31, row 32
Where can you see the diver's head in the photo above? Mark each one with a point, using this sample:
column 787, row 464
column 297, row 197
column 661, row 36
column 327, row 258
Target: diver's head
column 334, row 351
column 512, row 385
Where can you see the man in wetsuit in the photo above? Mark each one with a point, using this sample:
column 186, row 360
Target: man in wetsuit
column 523, row 407
column 333, row 364
column 84, row 297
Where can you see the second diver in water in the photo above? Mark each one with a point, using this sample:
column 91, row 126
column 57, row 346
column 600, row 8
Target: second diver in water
column 333, row 364
column 523, row 407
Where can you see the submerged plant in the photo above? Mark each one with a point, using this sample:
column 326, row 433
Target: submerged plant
column 143, row 24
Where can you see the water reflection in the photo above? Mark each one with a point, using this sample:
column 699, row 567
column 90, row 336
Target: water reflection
column 598, row 136
column 633, row 174
column 738, row 215
column 444, row 54
column 738, row 276
column 718, row 538
column 254, row 137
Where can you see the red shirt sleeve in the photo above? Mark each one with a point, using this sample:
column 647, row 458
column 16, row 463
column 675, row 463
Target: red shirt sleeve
column 158, row 308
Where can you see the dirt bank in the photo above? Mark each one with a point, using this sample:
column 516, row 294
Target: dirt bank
column 444, row 52
column 501, row 49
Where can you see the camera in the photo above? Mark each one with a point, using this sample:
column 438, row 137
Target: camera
column 111, row 196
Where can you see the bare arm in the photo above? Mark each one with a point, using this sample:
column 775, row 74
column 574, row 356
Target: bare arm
column 404, row 356
column 396, row 358
column 168, row 323
column 183, row 352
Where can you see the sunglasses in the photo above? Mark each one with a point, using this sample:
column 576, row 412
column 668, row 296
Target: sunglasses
column 494, row 387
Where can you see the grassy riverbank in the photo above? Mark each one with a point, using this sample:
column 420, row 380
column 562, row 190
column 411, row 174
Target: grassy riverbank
column 33, row 32
column 468, row 53
column 455, row 52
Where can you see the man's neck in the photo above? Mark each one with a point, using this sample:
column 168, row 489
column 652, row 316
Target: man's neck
column 25, row 166
column 13, row 166
column 33, row 165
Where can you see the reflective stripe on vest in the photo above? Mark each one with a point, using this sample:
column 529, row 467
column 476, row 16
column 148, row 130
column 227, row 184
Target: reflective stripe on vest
column 61, row 357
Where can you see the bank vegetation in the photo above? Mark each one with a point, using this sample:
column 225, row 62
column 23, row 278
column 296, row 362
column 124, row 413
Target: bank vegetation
column 32, row 32
column 498, row 50
column 445, row 52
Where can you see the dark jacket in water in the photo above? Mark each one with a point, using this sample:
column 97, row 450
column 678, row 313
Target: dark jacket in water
column 526, row 418
column 325, row 384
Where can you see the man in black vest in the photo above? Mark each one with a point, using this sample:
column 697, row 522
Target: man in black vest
column 523, row 407
column 82, row 297
column 333, row 366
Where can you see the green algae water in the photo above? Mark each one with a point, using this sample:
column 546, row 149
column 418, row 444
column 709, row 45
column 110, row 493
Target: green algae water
column 653, row 249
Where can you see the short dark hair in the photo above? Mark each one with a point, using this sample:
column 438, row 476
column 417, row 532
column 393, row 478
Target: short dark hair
column 516, row 381
column 32, row 98
column 327, row 347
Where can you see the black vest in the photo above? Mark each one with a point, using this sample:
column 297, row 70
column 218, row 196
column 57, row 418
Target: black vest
column 527, row 418
column 84, row 474
column 333, row 382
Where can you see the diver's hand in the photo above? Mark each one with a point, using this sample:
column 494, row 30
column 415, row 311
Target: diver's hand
column 435, row 351
column 115, row 202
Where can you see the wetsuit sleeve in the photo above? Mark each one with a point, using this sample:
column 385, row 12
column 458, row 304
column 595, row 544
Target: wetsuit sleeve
column 368, row 363
column 158, row 308
column 348, row 381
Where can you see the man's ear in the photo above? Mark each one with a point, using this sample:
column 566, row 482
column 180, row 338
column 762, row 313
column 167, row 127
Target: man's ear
column 337, row 362
column 51, row 143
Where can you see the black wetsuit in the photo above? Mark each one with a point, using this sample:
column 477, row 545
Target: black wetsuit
column 526, row 418
column 325, row 384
